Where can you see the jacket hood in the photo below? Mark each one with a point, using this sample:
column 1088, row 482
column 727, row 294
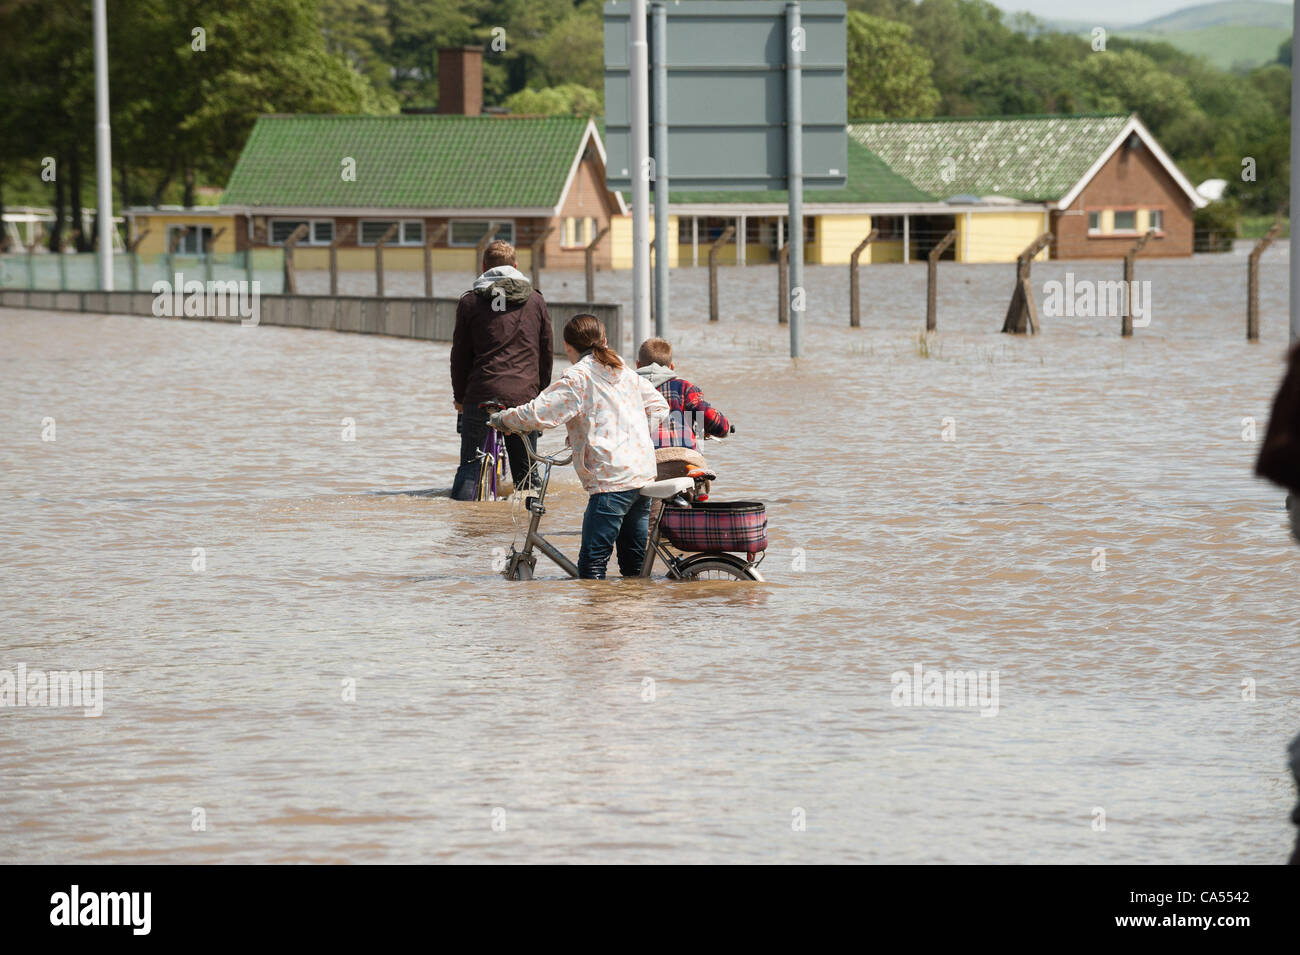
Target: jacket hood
column 656, row 374
column 513, row 283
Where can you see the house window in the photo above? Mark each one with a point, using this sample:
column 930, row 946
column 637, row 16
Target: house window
column 1156, row 219
column 579, row 232
column 1094, row 223
column 319, row 231
column 469, row 232
column 409, row 231
column 189, row 240
column 1125, row 220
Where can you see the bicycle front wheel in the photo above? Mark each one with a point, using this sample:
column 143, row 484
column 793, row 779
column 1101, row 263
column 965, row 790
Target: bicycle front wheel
column 717, row 567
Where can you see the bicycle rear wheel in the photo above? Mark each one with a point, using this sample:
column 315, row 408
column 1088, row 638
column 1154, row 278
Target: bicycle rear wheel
column 717, row 567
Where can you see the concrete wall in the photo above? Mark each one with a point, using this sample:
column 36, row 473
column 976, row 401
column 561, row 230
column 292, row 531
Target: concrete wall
column 428, row 319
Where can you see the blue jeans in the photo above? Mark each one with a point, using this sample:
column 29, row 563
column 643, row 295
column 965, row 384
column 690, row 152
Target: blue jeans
column 616, row 518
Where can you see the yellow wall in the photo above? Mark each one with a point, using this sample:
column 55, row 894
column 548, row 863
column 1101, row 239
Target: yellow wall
column 620, row 242
column 998, row 236
column 396, row 259
column 888, row 250
column 156, row 241
column 837, row 237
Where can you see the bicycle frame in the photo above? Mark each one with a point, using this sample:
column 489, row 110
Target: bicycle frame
column 520, row 564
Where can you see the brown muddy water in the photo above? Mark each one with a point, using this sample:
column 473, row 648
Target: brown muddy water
column 660, row 722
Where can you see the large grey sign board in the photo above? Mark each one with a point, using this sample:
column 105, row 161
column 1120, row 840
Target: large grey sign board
column 727, row 94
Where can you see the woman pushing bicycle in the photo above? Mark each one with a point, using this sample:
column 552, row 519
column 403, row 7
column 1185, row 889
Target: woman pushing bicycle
column 609, row 411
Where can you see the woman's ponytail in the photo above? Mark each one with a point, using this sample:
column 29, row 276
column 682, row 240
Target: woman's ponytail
column 587, row 333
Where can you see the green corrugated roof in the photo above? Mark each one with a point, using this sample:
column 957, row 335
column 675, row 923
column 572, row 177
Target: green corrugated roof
column 406, row 161
column 868, row 180
column 1035, row 158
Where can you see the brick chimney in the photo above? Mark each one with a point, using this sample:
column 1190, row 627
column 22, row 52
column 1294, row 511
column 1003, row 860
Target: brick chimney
column 460, row 80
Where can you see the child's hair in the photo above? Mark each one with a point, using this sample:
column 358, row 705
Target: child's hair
column 585, row 332
column 655, row 351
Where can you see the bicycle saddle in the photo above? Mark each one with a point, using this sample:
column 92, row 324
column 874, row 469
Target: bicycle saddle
column 668, row 488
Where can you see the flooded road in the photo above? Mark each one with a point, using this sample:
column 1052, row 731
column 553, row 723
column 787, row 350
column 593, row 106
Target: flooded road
column 339, row 674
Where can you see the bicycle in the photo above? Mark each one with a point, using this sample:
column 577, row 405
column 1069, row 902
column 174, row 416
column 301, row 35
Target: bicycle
column 692, row 525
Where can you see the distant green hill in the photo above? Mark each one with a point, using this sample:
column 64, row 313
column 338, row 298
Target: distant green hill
column 1226, row 33
column 1224, row 46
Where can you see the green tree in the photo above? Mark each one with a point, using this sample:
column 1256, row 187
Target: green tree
column 570, row 99
column 888, row 75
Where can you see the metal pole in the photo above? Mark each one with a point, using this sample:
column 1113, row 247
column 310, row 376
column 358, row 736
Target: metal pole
column 103, row 149
column 662, row 325
column 640, row 176
column 794, row 170
column 1295, row 192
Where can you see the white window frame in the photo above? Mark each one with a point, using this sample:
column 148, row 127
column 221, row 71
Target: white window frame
column 1153, row 214
column 501, row 224
column 191, row 229
column 1094, row 230
column 309, row 239
column 400, row 239
column 1115, row 227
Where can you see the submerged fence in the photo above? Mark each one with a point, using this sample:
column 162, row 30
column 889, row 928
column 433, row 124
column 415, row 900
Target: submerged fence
column 431, row 319
column 70, row 272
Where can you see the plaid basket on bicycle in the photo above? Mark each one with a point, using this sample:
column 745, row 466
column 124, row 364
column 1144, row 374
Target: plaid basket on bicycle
column 738, row 526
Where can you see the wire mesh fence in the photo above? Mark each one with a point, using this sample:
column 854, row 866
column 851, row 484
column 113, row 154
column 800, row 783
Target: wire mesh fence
column 79, row 272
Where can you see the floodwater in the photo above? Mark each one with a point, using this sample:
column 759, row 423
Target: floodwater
column 347, row 679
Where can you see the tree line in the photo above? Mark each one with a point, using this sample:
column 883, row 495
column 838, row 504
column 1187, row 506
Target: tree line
column 189, row 77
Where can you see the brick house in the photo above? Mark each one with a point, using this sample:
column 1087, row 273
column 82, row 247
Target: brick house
column 450, row 176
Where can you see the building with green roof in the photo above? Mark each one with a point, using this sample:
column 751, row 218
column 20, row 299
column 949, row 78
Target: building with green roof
column 537, row 181
column 1095, row 182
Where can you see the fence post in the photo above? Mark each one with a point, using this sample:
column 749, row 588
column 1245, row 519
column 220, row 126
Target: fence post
column 290, row 276
column 429, row 239
column 207, row 257
column 63, row 262
column 31, row 266
column 1126, row 324
column 171, row 250
column 379, row 258
column 854, row 316
column 479, row 249
column 932, row 280
column 1022, row 312
column 717, row 244
column 134, row 249
column 538, row 247
column 588, row 255
column 342, row 236
column 1252, row 281
column 783, row 285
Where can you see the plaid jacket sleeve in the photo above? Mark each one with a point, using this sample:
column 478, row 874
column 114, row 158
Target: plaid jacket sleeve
column 701, row 413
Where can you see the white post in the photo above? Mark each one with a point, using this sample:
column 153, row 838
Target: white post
column 740, row 241
column 695, row 241
column 640, row 175
column 1295, row 192
column 794, row 173
column 907, row 239
column 103, row 149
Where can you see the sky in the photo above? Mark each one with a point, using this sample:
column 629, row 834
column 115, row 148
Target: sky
column 1113, row 11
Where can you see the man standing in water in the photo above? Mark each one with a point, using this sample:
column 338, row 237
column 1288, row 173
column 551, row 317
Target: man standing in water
column 500, row 351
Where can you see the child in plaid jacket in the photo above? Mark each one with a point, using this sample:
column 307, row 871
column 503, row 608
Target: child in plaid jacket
column 688, row 413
